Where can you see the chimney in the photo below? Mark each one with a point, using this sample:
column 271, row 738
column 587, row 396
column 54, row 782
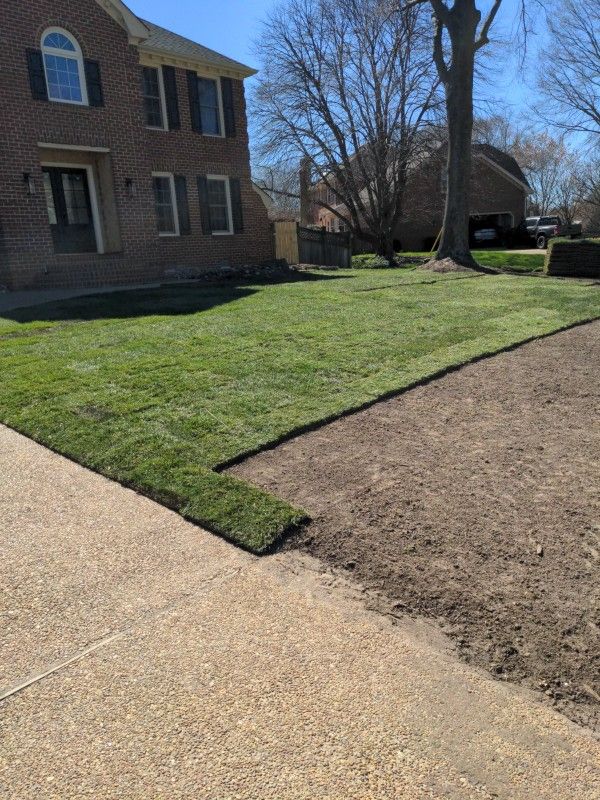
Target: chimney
column 306, row 217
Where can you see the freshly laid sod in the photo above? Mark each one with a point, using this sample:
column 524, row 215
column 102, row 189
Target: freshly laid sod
column 507, row 259
column 501, row 259
column 160, row 388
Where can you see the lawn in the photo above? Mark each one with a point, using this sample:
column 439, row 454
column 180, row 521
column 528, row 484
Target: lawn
column 501, row 259
column 161, row 388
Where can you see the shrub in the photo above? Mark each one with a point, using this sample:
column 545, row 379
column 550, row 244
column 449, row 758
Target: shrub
column 369, row 261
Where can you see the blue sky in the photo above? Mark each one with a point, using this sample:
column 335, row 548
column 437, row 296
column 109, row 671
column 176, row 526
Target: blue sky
column 231, row 26
column 228, row 26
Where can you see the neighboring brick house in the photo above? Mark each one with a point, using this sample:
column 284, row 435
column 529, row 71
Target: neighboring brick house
column 499, row 192
column 124, row 150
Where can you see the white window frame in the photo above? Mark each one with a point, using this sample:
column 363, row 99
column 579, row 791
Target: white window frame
column 163, row 101
column 225, row 179
column 217, row 80
column 77, row 55
column 171, row 177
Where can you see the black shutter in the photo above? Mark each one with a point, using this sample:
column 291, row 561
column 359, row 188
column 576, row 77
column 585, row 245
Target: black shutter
column 37, row 76
column 194, row 93
column 235, row 191
column 170, row 83
column 183, row 209
column 94, row 83
column 204, row 209
column 228, row 109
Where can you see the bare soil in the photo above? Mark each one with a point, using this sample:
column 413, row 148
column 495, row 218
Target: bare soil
column 445, row 265
column 473, row 500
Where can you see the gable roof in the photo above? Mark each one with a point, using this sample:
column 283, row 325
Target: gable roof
column 503, row 162
column 159, row 45
column 125, row 17
column 165, row 42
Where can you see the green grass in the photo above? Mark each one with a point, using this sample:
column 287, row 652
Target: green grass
column 159, row 388
column 502, row 259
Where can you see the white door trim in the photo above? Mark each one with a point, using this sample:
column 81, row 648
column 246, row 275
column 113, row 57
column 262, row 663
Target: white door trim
column 492, row 214
column 93, row 197
column 74, row 147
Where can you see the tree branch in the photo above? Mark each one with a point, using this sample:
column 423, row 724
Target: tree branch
column 438, row 51
column 439, row 7
column 483, row 36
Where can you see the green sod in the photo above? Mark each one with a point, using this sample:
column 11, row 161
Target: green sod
column 160, row 388
column 506, row 259
column 501, row 259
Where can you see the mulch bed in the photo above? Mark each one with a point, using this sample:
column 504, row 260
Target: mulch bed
column 473, row 500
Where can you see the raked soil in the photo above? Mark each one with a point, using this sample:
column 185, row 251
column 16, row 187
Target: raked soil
column 473, row 500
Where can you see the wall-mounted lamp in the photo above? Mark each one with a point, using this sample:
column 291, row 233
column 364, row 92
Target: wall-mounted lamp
column 130, row 186
column 29, row 182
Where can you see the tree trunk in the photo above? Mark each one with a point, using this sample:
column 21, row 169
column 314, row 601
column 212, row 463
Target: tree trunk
column 462, row 26
column 385, row 247
column 306, row 206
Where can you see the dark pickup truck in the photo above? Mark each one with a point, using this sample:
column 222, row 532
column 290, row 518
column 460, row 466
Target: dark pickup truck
column 541, row 229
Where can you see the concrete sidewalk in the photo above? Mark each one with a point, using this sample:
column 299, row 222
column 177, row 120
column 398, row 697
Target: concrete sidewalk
column 217, row 675
column 35, row 297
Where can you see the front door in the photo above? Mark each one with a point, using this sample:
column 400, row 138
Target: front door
column 69, row 210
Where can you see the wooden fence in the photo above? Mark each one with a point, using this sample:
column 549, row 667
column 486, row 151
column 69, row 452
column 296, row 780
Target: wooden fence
column 286, row 241
column 308, row 246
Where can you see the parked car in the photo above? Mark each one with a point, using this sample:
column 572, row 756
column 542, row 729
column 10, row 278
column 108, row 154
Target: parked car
column 486, row 235
column 541, row 229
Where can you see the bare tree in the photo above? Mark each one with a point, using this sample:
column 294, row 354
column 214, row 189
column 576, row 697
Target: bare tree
column 460, row 32
column 589, row 205
column 570, row 67
column 554, row 172
column 280, row 182
column 590, row 181
column 542, row 159
column 499, row 130
column 570, row 192
column 348, row 86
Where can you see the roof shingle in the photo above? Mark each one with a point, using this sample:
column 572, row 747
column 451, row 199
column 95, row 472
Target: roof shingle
column 164, row 41
column 503, row 160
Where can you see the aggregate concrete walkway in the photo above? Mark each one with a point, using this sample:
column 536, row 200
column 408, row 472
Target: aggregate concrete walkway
column 217, row 675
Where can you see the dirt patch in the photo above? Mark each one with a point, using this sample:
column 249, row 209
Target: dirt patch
column 474, row 501
column 445, row 265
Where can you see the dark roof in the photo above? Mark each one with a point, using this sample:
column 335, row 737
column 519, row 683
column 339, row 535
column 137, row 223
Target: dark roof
column 165, row 41
column 503, row 160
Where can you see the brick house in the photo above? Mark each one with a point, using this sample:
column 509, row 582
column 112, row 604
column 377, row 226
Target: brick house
column 499, row 192
column 125, row 150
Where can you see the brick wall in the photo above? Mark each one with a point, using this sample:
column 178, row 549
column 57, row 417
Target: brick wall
column 27, row 258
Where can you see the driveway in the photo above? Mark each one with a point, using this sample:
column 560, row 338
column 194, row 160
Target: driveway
column 180, row 667
column 529, row 251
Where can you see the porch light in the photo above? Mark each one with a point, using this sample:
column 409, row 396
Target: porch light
column 130, row 186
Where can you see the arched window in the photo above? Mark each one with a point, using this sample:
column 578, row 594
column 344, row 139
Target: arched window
column 63, row 64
